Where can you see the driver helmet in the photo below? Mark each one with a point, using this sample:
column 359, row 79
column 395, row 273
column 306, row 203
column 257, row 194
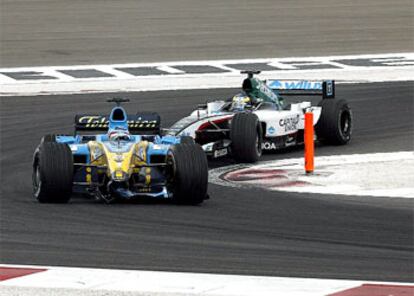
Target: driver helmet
column 240, row 101
column 119, row 134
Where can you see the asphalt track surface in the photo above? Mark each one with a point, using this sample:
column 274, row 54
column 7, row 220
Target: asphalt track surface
column 59, row 32
column 240, row 232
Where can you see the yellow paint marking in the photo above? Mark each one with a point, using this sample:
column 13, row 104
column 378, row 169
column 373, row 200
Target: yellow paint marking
column 148, row 176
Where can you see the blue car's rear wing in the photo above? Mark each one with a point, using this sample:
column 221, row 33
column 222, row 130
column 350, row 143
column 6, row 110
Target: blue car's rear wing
column 325, row 88
column 143, row 123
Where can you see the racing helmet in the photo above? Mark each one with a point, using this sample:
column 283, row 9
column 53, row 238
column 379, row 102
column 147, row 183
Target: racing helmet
column 240, row 101
column 119, row 134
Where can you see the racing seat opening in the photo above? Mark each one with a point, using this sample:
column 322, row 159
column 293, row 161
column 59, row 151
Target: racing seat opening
column 118, row 115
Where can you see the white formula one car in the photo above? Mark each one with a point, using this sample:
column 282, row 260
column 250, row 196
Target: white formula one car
column 259, row 119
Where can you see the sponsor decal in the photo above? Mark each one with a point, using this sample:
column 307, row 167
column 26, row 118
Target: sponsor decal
column 271, row 130
column 329, row 88
column 93, row 121
column 297, row 84
column 266, row 90
column 269, row 146
column 220, row 152
column 103, row 122
column 289, row 123
column 139, row 123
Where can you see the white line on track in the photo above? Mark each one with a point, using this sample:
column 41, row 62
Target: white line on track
column 378, row 68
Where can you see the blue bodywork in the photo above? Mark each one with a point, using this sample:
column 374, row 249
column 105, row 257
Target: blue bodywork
column 96, row 180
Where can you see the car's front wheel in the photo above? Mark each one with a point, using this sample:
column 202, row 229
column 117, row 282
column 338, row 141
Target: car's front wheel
column 246, row 137
column 52, row 173
column 187, row 172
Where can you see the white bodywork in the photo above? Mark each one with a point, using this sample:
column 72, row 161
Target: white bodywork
column 277, row 122
column 285, row 122
column 279, row 127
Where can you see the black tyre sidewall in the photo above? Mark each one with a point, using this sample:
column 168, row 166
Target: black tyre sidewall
column 187, row 140
column 329, row 127
column 244, row 133
column 55, row 164
column 190, row 173
column 48, row 138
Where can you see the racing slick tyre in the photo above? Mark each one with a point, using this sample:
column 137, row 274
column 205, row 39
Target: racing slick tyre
column 188, row 173
column 335, row 124
column 48, row 138
column 246, row 137
column 52, row 173
column 187, row 140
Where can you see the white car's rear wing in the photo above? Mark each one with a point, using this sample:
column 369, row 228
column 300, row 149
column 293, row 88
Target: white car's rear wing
column 325, row 88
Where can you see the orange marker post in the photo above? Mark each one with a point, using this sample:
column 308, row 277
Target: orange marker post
column 309, row 145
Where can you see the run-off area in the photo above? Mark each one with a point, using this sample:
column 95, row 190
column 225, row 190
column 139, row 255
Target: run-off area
column 378, row 174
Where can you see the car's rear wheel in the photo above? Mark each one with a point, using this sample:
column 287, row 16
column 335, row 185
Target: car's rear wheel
column 246, row 137
column 52, row 173
column 187, row 171
column 336, row 122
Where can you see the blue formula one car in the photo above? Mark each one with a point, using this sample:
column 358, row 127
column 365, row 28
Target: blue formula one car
column 119, row 157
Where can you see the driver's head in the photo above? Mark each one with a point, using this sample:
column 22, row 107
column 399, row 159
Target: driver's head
column 119, row 134
column 240, row 101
